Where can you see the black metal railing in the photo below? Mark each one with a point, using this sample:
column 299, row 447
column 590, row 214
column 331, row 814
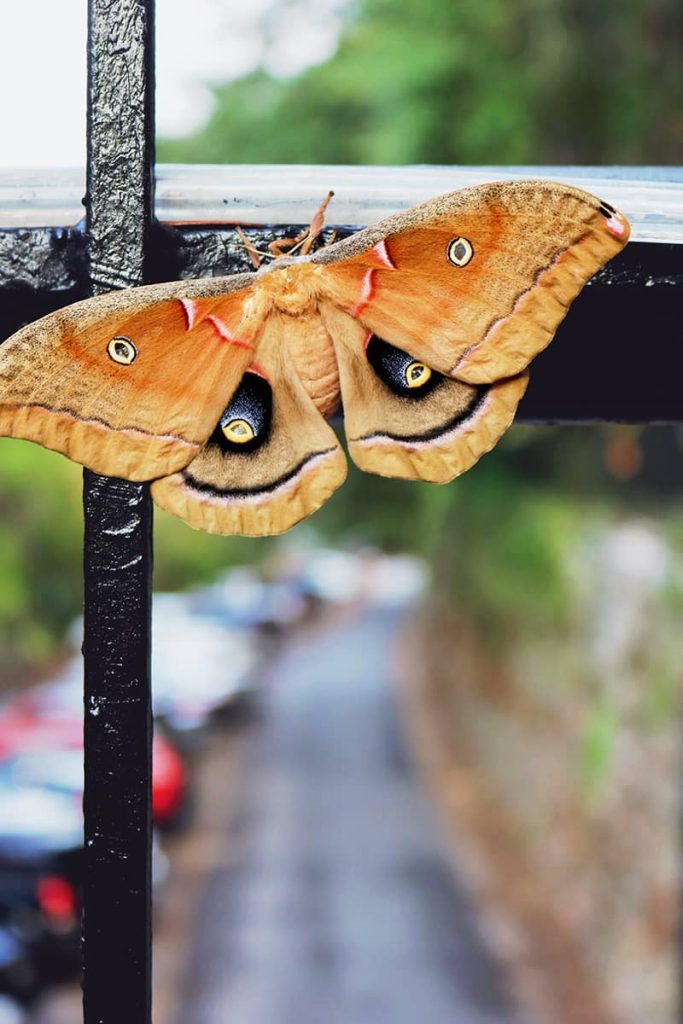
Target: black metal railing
column 117, row 912
column 616, row 358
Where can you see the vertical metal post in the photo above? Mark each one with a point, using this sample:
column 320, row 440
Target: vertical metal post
column 118, row 547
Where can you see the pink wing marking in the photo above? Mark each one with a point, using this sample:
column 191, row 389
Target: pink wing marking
column 255, row 368
column 616, row 226
column 367, row 292
column 382, row 254
column 190, row 309
column 225, row 335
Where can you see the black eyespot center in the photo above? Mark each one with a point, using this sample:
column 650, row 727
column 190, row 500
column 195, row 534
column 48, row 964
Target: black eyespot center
column 246, row 421
column 407, row 377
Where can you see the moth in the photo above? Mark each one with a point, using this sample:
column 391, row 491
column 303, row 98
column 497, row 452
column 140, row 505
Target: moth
column 219, row 390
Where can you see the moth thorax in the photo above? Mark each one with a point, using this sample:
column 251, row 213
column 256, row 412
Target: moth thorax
column 292, row 290
column 312, row 352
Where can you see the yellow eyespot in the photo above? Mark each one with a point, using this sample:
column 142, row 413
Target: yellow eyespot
column 459, row 252
column 417, row 374
column 238, row 431
column 122, row 350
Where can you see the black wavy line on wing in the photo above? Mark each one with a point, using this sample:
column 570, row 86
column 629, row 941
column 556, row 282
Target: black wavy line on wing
column 443, row 428
column 249, row 492
column 65, row 411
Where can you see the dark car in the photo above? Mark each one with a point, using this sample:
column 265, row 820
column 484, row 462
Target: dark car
column 41, row 854
column 18, row 977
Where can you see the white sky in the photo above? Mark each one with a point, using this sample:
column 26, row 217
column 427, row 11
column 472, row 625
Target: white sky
column 42, row 71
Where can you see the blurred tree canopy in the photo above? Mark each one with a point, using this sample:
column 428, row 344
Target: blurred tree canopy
column 453, row 81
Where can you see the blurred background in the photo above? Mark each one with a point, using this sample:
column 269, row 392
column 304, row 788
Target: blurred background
column 421, row 755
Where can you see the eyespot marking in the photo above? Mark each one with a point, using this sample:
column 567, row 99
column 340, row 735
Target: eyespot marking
column 238, row 431
column 245, row 423
column 408, row 378
column 417, row 374
column 459, row 251
column 122, row 350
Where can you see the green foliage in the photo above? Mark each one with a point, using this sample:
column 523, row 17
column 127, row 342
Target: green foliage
column 449, row 81
column 597, row 748
column 40, row 551
column 372, row 510
column 501, row 553
column 661, row 699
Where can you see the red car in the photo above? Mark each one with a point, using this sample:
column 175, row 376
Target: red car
column 29, row 726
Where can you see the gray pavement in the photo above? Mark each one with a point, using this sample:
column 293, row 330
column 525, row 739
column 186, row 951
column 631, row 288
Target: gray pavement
column 335, row 901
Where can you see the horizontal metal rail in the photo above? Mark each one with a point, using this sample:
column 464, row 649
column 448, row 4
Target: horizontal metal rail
column 616, row 357
column 651, row 197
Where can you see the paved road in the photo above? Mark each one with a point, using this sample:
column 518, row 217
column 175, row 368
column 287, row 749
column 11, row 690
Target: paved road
column 335, row 902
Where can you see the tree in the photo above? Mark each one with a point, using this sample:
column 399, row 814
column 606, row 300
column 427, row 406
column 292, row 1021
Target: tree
column 437, row 81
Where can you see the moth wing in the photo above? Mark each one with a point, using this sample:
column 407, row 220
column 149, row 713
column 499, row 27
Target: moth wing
column 476, row 282
column 431, row 431
column 131, row 383
column 271, row 460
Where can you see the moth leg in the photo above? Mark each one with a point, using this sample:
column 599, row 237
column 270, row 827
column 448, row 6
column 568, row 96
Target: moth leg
column 253, row 252
column 283, row 246
column 304, row 241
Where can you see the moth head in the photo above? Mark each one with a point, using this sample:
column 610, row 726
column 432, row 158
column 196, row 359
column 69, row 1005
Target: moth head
column 459, row 251
column 122, row 350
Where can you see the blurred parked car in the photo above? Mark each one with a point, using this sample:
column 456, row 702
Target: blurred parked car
column 11, row 1012
column 202, row 668
column 41, row 848
column 330, row 575
column 242, row 599
column 18, row 978
column 47, row 722
column 41, row 864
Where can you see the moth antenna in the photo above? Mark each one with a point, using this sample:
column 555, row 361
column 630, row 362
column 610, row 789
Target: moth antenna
column 251, row 249
column 317, row 224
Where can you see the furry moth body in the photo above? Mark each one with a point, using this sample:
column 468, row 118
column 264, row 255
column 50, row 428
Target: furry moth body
column 218, row 390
